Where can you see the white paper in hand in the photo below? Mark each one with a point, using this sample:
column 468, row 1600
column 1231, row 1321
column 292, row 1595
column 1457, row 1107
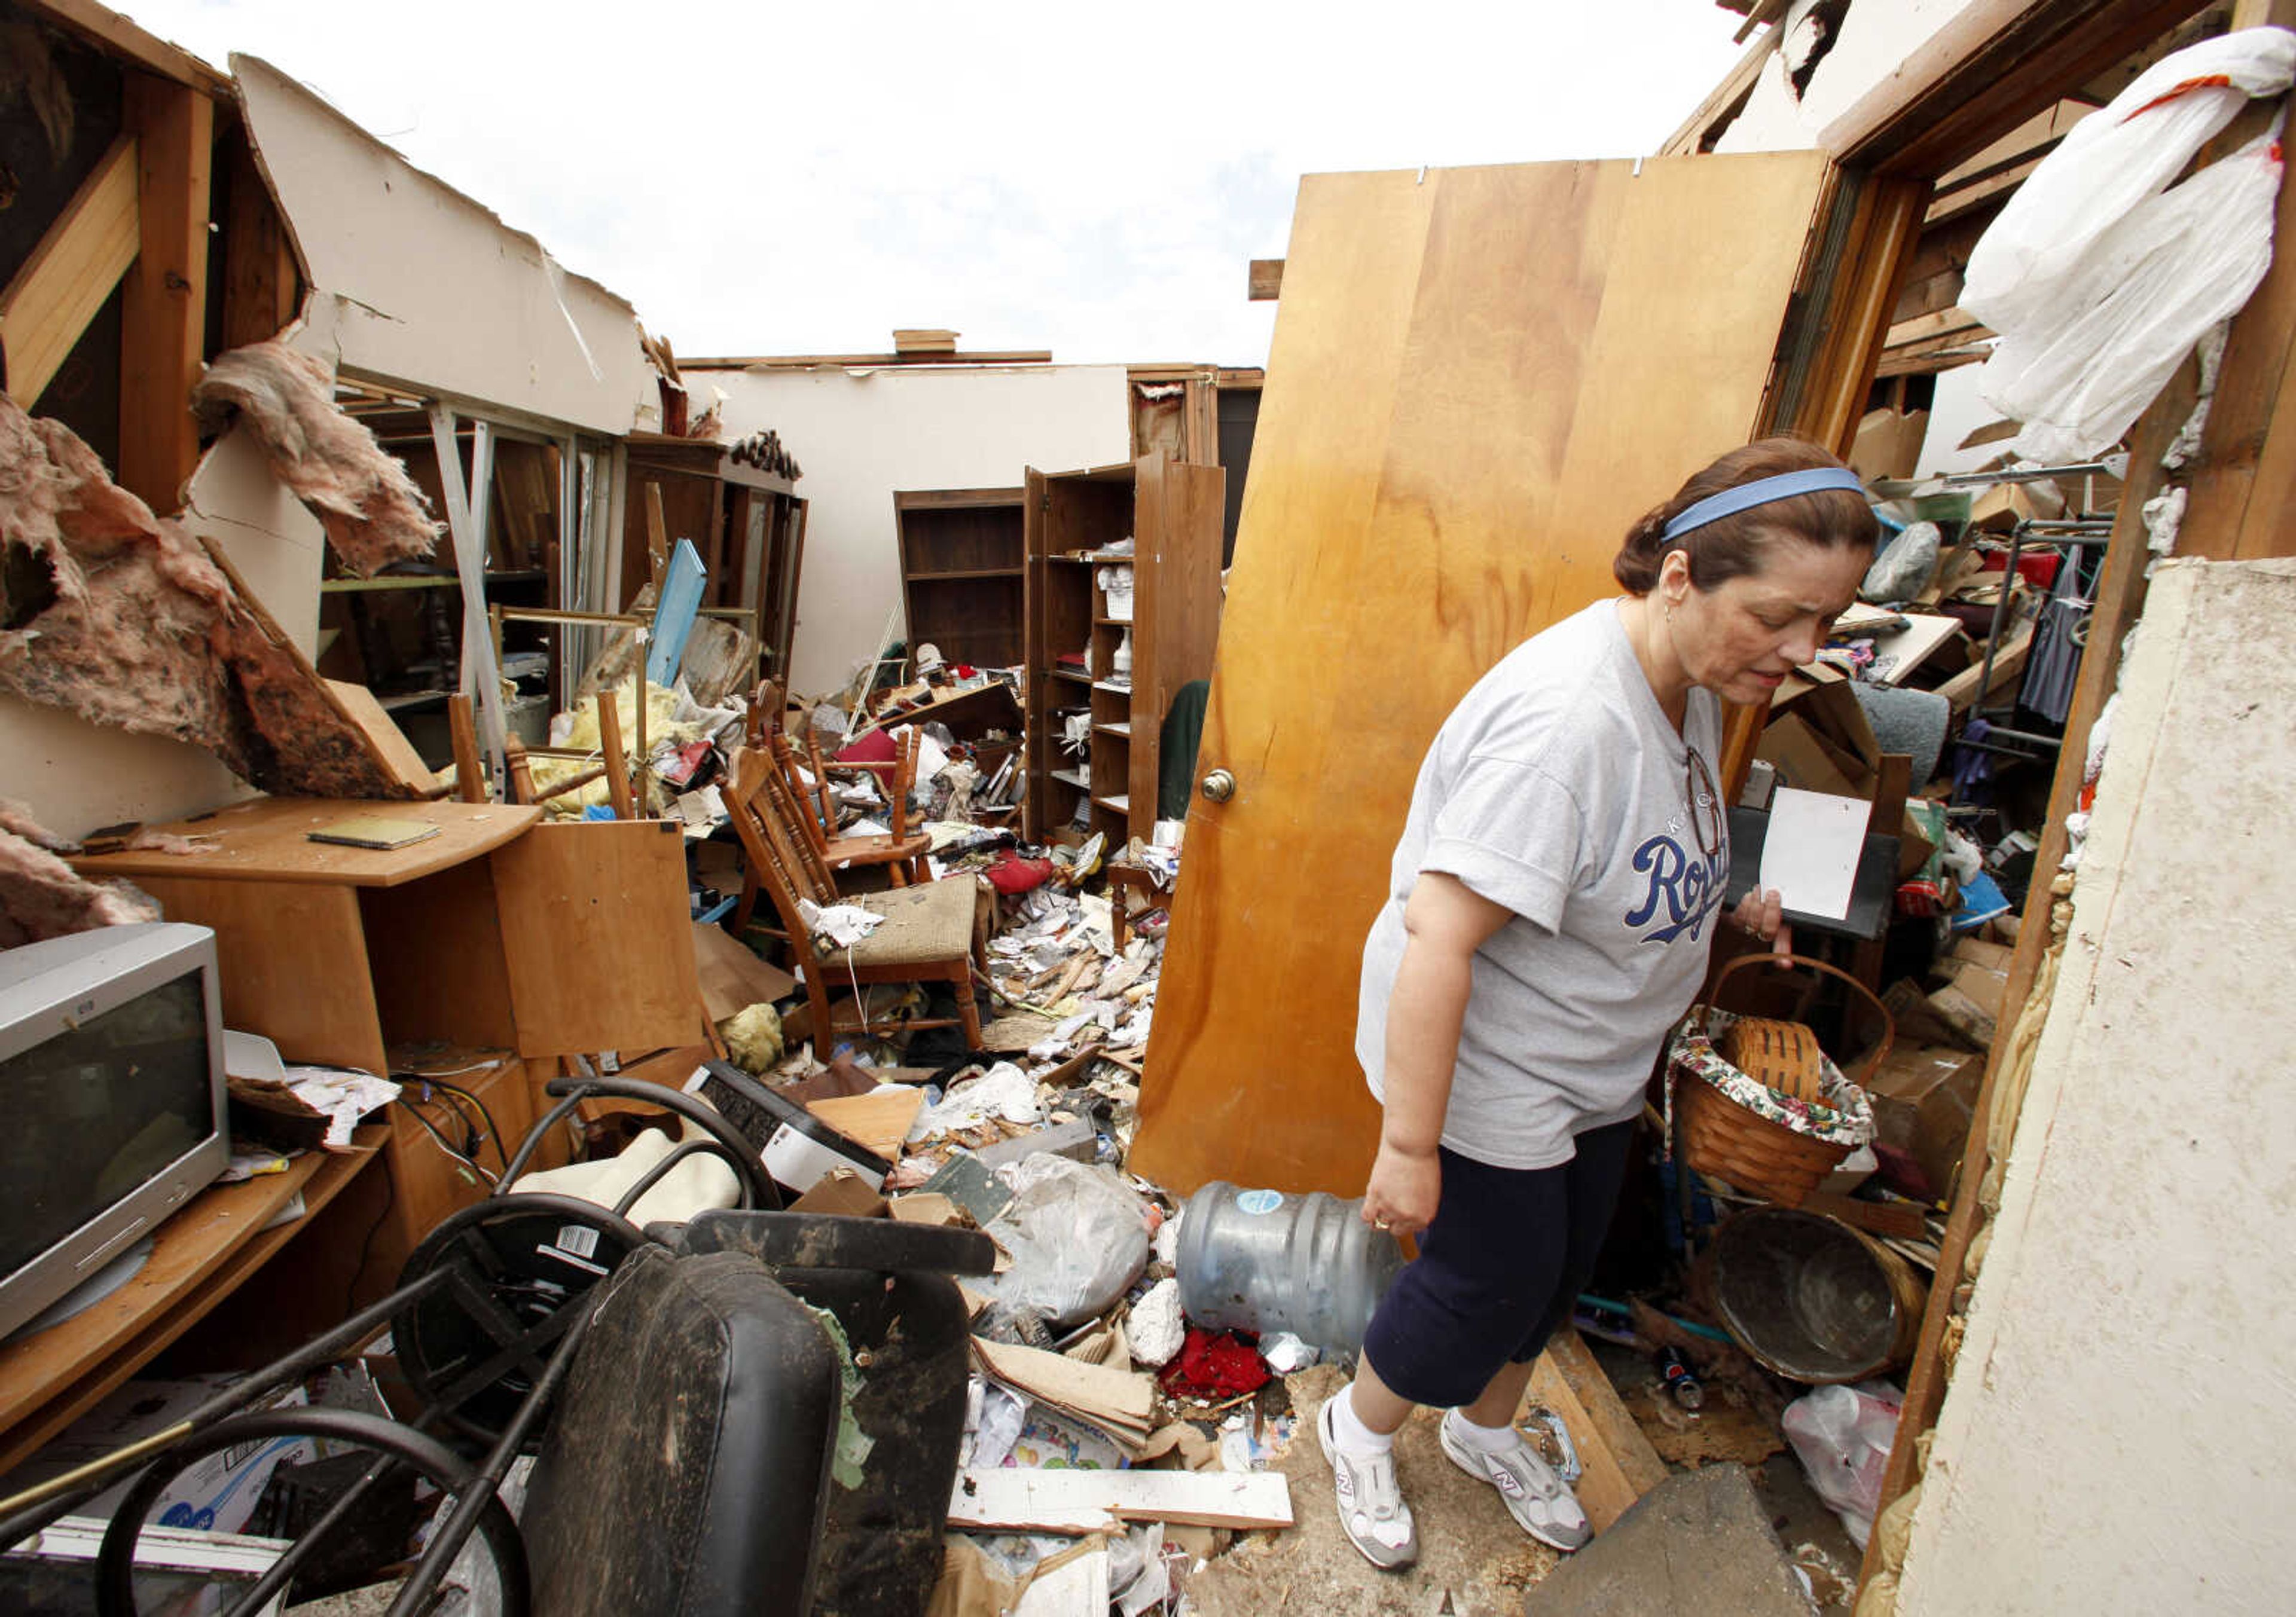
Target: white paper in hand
column 1810, row 851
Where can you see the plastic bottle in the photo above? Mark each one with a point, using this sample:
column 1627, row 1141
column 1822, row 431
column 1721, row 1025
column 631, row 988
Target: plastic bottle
column 1262, row 1261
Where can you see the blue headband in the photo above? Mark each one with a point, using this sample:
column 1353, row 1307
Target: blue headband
column 1761, row 491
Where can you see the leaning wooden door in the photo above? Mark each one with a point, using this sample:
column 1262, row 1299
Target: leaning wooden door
column 1480, row 376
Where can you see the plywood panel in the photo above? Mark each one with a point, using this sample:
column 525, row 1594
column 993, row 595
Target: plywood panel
column 1477, row 380
column 597, row 937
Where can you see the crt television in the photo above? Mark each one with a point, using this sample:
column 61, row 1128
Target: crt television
column 111, row 1099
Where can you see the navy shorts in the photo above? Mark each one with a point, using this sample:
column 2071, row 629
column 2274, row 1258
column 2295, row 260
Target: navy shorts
column 1498, row 1271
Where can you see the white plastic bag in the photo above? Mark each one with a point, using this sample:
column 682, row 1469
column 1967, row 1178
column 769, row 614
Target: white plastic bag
column 2147, row 291
column 1842, row 1436
column 2097, row 279
column 2111, row 161
column 1078, row 1235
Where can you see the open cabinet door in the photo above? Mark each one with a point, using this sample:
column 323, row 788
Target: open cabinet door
column 1479, row 378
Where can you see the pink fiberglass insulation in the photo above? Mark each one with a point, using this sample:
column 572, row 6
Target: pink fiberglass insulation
column 119, row 616
column 41, row 896
column 373, row 513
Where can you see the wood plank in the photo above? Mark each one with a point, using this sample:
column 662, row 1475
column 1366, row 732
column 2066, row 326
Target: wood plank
column 733, row 977
column 120, row 37
column 49, row 301
column 1265, row 283
column 268, row 839
column 1961, row 690
column 1983, row 72
column 1123, row 1396
column 878, row 1120
column 598, row 936
column 199, row 1256
column 1457, row 428
column 1725, row 102
column 382, row 732
column 1021, row 1500
column 1900, row 1220
column 164, row 295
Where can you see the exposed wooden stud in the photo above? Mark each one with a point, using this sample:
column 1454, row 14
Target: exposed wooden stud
column 1267, row 281
column 164, row 295
column 260, row 280
column 56, row 292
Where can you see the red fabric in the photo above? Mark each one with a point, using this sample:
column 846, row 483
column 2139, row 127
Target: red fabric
column 875, row 748
column 1214, row 1367
column 1010, row 873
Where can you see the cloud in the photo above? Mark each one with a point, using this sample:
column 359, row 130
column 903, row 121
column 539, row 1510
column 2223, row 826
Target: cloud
column 778, row 179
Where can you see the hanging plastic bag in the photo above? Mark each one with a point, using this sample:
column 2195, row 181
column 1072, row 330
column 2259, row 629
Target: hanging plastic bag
column 2098, row 280
column 2148, row 290
column 2111, row 161
column 1842, row 1436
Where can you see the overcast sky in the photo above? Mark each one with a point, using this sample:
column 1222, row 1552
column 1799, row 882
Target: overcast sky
column 777, row 179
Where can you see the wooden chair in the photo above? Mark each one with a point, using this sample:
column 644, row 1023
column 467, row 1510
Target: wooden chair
column 902, row 853
column 934, row 932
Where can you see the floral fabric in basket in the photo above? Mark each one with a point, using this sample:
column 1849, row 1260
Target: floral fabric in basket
column 1844, row 1117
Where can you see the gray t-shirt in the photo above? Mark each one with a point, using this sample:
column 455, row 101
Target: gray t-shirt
column 1558, row 788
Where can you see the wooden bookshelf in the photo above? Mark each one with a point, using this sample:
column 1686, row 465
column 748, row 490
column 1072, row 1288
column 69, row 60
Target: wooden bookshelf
column 1171, row 512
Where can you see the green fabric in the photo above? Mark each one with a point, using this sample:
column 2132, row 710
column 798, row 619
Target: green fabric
column 1177, row 743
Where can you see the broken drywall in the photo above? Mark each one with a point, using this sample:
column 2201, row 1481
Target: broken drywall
column 42, row 897
column 417, row 285
column 120, row 618
column 373, row 513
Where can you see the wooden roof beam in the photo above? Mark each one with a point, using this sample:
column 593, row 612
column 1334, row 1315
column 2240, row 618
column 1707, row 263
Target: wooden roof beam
column 58, row 289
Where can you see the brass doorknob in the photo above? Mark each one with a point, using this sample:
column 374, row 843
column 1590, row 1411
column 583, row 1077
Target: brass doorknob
column 1217, row 787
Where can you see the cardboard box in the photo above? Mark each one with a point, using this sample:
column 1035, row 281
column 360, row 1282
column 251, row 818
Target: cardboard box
column 1924, row 1097
column 1889, row 443
column 1822, row 698
column 1803, row 760
column 216, row 1495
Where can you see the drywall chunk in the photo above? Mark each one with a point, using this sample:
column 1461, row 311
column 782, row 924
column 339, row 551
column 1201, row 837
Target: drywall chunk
column 119, row 616
column 373, row 513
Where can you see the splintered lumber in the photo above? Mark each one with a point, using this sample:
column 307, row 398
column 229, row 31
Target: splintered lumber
column 1021, row 1500
column 1119, row 1402
column 878, row 1120
column 1620, row 1465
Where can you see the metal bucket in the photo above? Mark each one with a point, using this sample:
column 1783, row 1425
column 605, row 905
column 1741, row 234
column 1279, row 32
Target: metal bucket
column 1262, row 1261
column 1812, row 1298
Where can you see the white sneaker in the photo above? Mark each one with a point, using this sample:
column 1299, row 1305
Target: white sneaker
column 1540, row 1501
column 1372, row 1511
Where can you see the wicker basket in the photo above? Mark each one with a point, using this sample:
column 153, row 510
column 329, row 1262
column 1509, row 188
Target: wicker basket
column 1784, row 1055
column 1770, row 1158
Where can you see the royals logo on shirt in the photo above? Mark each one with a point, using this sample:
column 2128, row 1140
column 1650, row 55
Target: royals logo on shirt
column 1686, row 887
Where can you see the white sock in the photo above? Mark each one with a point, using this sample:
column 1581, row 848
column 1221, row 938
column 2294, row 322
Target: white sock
column 1490, row 1438
column 1350, row 1432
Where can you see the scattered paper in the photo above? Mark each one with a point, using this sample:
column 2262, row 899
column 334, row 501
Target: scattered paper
column 1810, row 851
column 343, row 1094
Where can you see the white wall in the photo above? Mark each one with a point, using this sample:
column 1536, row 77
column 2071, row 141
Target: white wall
column 1879, row 39
column 862, row 435
column 2118, row 1432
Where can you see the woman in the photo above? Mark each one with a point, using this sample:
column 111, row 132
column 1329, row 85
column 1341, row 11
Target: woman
column 1546, row 925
